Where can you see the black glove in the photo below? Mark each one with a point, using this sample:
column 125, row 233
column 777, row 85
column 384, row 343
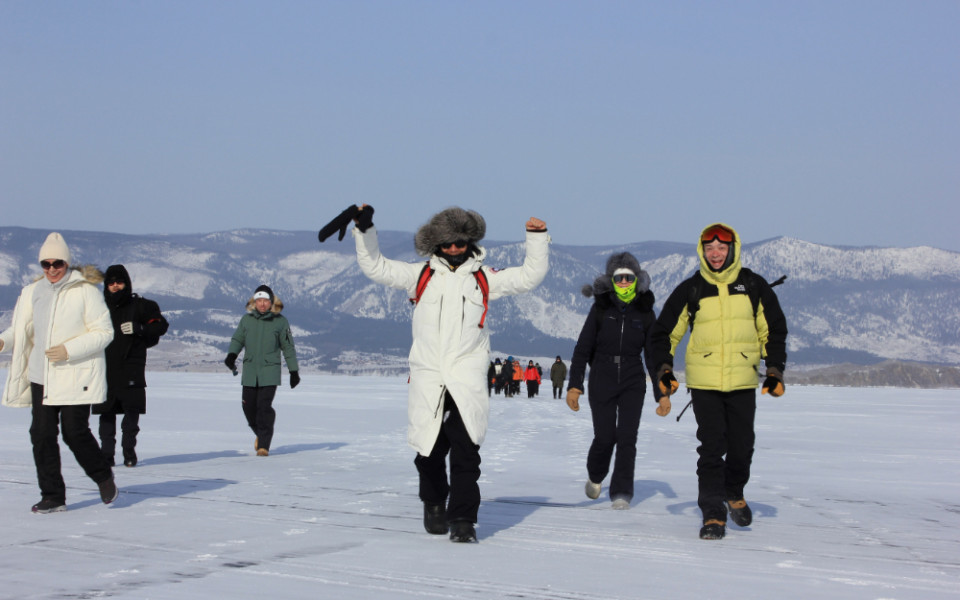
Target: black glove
column 666, row 381
column 365, row 219
column 294, row 379
column 773, row 384
column 231, row 362
column 340, row 223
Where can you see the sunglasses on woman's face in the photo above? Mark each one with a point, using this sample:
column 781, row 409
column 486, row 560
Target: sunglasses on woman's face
column 46, row 265
column 624, row 277
column 458, row 244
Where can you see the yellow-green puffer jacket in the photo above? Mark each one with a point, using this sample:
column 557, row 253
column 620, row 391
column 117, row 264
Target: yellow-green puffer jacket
column 727, row 341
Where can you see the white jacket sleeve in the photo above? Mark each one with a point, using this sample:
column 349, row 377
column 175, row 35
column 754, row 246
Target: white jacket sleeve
column 518, row 280
column 393, row 273
column 96, row 320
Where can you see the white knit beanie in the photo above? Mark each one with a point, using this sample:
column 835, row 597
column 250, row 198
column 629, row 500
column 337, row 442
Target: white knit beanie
column 55, row 247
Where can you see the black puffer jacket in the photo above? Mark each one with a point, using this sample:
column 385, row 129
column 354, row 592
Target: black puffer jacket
column 615, row 337
column 127, row 354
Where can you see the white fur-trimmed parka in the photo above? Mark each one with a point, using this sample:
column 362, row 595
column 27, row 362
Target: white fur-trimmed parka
column 450, row 352
column 81, row 322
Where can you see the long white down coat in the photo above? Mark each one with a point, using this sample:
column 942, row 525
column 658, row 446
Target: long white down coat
column 81, row 322
column 450, row 352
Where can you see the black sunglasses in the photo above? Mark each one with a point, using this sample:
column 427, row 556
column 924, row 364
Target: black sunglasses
column 628, row 277
column 458, row 244
column 55, row 264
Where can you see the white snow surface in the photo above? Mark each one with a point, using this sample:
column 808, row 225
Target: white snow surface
column 855, row 492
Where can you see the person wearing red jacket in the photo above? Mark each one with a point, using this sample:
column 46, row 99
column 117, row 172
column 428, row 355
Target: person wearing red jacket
column 532, row 377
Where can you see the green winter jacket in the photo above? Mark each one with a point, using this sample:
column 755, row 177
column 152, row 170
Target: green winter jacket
column 263, row 337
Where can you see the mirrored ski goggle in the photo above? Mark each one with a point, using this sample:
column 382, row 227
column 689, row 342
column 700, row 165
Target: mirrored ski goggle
column 719, row 233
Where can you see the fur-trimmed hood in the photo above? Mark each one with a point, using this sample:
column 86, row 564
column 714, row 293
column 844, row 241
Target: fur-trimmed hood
column 275, row 309
column 449, row 225
column 603, row 284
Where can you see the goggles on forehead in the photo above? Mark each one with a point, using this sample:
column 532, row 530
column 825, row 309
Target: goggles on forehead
column 717, row 232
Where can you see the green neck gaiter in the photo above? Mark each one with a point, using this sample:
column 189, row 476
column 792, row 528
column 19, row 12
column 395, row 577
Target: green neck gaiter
column 626, row 294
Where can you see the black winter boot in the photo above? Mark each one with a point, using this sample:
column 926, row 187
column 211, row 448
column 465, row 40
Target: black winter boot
column 48, row 505
column 435, row 519
column 713, row 529
column 463, row 532
column 740, row 512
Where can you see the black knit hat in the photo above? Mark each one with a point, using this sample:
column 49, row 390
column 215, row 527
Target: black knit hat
column 266, row 290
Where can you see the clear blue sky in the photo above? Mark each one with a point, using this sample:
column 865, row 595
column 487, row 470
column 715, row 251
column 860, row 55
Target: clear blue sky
column 833, row 121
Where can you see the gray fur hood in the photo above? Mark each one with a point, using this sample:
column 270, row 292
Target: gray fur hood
column 449, row 225
column 603, row 284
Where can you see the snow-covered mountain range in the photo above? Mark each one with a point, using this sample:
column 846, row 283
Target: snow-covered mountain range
column 843, row 304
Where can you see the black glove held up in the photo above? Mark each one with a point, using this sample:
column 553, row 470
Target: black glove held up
column 365, row 219
column 340, row 223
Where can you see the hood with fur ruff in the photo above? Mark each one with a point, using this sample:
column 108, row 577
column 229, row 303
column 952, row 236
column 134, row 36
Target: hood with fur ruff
column 602, row 288
column 447, row 226
column 275, row 309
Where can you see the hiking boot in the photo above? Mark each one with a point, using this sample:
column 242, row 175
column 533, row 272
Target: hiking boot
column 620, row 503
column 49, row 506
column 592, row 490
column 130, row 459
column 740, row 512
column 463, row 532
column 263, row 452
column 435, row 519
column 108, row 491
column 713, row 529
column 256, row 443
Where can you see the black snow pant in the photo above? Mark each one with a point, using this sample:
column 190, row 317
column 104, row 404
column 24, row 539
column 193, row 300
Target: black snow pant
column 258, row 409
column 531, row 388
column 463, row 489
column 129, row 425
column 725, row 430
column 558, row 391
column 75, row 422
column 616, row 419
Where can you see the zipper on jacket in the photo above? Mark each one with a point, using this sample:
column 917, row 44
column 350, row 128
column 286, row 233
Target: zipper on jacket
column 443, row 392
column 623, row 323
column 50, row 324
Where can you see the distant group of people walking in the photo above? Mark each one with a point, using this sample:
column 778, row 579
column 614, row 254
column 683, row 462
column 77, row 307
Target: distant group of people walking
column 75, row 347
column 507, row 377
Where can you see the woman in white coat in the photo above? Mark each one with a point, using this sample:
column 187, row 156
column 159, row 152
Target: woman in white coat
column 60, row 328
column 448, row 405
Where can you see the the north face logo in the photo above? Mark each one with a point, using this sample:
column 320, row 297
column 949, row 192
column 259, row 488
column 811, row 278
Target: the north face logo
column 740, row 288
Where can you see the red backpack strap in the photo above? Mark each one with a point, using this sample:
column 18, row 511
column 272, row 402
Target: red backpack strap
column 479, row 275
column 422, row 282
column 485, row 290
